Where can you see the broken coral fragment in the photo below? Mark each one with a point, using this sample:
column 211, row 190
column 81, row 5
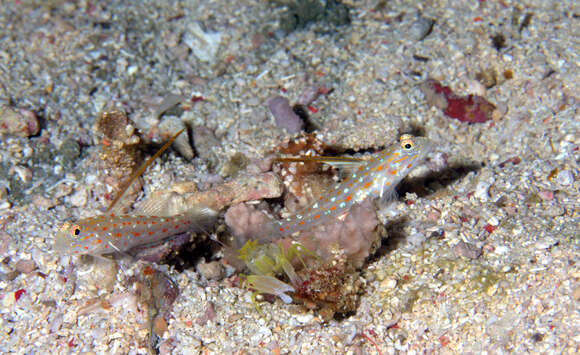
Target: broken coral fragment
column 470, row 108
column 284, row 115
column 22, row 123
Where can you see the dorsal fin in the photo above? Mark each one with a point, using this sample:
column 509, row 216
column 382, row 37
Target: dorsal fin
column 347, row 164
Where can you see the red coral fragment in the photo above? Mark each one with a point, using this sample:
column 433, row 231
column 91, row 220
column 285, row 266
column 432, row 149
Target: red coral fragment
column 470, row 108
column 18, row 294
column 489, row 228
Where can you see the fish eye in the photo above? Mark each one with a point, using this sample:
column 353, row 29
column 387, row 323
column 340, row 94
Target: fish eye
column 407, row 144
column 75, row 230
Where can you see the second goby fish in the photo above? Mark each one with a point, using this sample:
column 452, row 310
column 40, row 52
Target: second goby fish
column 372, row 178
column 112, row 233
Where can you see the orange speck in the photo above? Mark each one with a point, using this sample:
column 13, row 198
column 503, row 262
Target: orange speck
column 387, row 183
column 148, row 271
column 112, row 215
column 332, row 208
column 86, row 248
column 348, row 198
column 317, row 216
column 152, row 222
column 393, row 172
column 361, row 168
column 281, row 229
column 118, row 235
column 114, row 225
column 368, row 184
column 164, row 230
column 136, row 234
column 302, row 223
column 409, row 166
column 287, row 227
column 150, row 233
column 99, row 241
column 477, row 19
column 350, row 185
column 379, row 168
column 105, row 229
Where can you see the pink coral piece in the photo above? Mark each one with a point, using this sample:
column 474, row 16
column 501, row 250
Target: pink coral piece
column 470, row 108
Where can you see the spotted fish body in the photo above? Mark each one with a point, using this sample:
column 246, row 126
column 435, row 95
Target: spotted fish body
column 377, row 177
column 119, row 233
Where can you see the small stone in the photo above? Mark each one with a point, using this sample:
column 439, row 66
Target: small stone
column 421, row 28
column 3, row 193
column 42, row 202
column 565, row 178
column 22, row 123
column 482, row 190
column 304, row 317
column 545, row 243
column 159, row 326
column 5, row 205
column 389, row 284
column 546, row 195
column 576, row 294
column 212, row 271
column 25, row 266
column 169, row 127
column 23, row 173
column 493, row 221
column 79, row 198
column 284, row 116
column 204, row 45
column 467, row 250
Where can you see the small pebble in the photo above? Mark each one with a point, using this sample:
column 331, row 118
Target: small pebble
column 466, row 250
column 44, row 203
column 25, row 266
column 3, row 193
column 421, row 28
column 482, row 190
column 23, row 173
column 79, row 198
column 212, row 271
column 389, row 284
column 546, row 195
column 169, row 126
column 284, row 116
column 160, row 326
column 5, row 205
column 545, row 243
column 493, row 221
column 565, row 178
column 576, row 294
column 22, row 123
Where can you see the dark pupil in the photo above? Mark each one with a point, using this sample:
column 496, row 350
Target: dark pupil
column 408, row 146
column 77, row 231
